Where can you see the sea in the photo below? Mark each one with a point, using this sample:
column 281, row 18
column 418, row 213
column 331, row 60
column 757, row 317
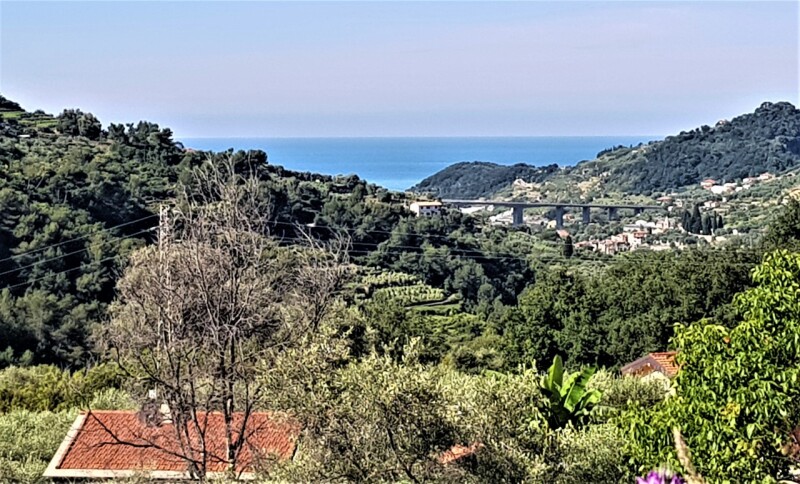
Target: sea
column 399, row 163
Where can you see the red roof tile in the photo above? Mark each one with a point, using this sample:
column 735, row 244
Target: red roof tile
column 119, row 441
column 458, row 452
column 663, row 362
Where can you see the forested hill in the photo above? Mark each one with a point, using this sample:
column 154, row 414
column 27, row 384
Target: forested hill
column 77, row 198
column 767, row 140
column 479, row 179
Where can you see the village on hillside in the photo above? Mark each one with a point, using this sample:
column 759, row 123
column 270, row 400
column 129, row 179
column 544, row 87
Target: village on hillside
column 745, row 200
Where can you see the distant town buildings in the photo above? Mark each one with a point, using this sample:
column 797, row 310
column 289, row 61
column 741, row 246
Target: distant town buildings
column 712, row 186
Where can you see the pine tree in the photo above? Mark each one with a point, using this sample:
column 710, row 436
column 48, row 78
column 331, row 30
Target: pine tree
column 696, row 226
column 569, row 247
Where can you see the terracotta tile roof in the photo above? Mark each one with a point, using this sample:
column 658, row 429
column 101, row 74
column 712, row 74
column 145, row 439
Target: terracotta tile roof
column 116, row 443
column 663, row 362
column 458, row 452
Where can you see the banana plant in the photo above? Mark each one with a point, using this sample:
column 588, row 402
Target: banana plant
column 568, row 399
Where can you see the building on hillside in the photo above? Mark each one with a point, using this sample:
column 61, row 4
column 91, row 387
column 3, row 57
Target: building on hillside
column 766, row 177
column 640, row 225
column 636, row 239
column 663, row 362
column 666, row 223
column 708, row 183
column 665, row 200
column 123, row 445
column 426, row 208
column 614, row 245
column 720, row 189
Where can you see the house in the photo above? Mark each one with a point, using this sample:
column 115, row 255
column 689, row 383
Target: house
column 665, row 200
column 613, row 245
column 640, row 225
column 425, row 208
column 663, row 362
column 708, row 183
column 766, row 176
column 122, row 444
column 720, row 189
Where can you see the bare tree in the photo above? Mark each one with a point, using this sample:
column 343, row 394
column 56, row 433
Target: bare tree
column 214, row 300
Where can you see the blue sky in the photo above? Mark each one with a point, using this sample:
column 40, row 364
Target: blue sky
column 402, row 69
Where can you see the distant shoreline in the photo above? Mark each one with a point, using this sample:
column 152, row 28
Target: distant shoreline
column 398, row 163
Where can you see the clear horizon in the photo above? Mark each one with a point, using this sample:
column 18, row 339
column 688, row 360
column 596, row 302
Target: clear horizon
column 389, row 69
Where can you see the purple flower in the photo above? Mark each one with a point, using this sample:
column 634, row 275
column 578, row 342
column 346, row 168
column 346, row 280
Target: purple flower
column 660, row 477
column 654, row 477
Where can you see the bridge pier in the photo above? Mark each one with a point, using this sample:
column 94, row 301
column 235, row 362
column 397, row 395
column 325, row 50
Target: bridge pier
column 587, row 218
column 517, row 219
column 612, row 213
column 637, row 211
column 559, row 217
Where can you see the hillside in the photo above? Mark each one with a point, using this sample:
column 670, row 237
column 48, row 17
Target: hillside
column 478, row 179
column 767, row 140
column 77, row 198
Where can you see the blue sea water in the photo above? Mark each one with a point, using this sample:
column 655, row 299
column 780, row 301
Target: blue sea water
column 399, row 163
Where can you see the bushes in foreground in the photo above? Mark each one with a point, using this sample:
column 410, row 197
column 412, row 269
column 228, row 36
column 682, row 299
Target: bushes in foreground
column 48, row 388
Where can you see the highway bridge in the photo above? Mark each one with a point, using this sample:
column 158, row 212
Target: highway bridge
column 560, row 208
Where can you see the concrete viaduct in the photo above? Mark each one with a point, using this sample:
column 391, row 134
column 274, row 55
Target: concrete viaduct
column 559, row 207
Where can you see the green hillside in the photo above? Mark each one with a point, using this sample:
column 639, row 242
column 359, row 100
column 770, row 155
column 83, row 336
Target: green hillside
column 767, row 140
column 478, row 179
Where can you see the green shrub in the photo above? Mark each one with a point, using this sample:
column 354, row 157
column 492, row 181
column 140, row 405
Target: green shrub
column 736, row 396
column 46, row 387
column 28, row 441
column 112, row 399
column 628, row 391
column 591, row 454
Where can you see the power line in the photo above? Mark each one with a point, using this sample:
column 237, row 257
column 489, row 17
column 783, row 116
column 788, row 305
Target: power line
column 32, row 251
column 85, row 249
column 53, row 274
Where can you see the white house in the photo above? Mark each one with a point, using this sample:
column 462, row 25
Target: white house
column 425, row 208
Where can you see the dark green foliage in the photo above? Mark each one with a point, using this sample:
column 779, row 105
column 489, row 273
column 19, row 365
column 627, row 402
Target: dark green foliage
column 703, row 224
column 76, row 200
column 569, row 247
column 9, row 105
column 616, row 315
column 763, row 141
column 74, row 122
column 737, row 392
column 470, row 180
column 784, row 231
column 446, row 252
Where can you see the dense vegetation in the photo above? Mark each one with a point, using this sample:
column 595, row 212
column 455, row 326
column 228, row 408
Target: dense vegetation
column 477, row 179
column 390, row 338
column 767, row 140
